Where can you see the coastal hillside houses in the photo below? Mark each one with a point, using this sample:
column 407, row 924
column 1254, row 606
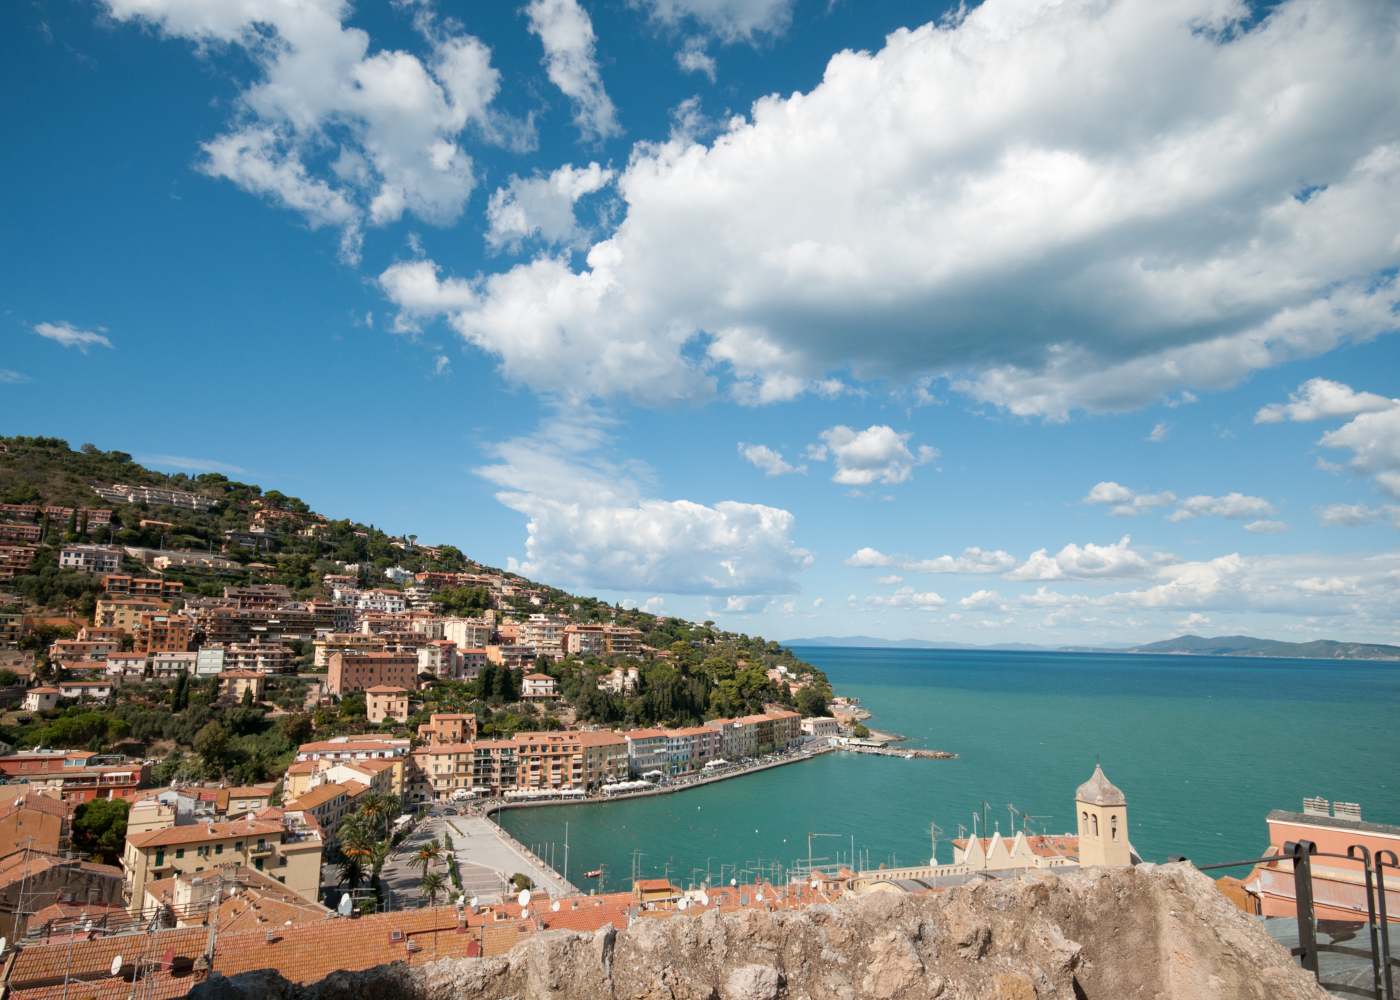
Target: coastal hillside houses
column 76, row 775
column 156, row 496
column 348, row 673
column 91, row 558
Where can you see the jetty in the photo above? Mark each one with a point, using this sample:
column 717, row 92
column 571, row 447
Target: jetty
column 908, row 753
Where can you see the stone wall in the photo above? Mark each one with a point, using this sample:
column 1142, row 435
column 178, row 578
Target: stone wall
column 1146, row 933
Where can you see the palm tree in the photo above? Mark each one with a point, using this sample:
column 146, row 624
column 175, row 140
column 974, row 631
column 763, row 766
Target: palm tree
column 352, row 872
column 432, row 886
column 427, row 854
column 378, row 854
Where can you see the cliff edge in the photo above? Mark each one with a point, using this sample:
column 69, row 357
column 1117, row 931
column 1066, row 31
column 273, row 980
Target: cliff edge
column 1146, row 933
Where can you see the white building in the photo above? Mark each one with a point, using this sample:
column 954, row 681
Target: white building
column 209, row 661
column 545, row 633
column 620, row 680
column 821, row 727
column 91, row 558
column 389, row 602
column 467, row 633
column 397, row 575
column 540, row 686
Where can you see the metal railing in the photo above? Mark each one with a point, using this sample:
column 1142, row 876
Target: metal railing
column 1300, row 855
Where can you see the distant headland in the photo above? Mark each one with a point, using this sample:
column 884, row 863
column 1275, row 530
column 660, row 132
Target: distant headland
column 1184, row 645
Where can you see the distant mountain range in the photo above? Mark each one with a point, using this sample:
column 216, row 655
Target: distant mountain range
column 1184, row 645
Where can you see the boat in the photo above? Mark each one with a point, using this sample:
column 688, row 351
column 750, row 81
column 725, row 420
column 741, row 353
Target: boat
column 593, row 873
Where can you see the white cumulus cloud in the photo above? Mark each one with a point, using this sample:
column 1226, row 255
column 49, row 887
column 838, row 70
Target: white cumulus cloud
column 1232, row 505
column 1089, row 561
column 542, row 207
column 728, row 20
column 1322, row 399
column 385, row 127
column 878, row 454
column 1125, row 502
column 590, row 523
column 1129, row 200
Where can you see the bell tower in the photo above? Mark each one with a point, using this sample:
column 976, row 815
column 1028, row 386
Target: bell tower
column 1102, row 811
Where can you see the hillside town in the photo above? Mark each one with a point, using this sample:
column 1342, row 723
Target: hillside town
column 261, row 726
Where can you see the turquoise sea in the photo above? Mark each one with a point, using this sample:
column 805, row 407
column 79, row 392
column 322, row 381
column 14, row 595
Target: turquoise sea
column 1203, row 747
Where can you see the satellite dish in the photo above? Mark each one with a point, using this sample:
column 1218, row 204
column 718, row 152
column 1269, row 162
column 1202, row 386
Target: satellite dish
column 683, row 904
column 554, row 906
column 758, row 896
column 524, row 897
column 346, row 905
column 816, row 883
column 524, row 914
column 473, row 901
column 704, row 899
column 734, row 881
column 116, row 965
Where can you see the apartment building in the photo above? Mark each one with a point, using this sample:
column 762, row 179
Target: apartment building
column 439, row 658
column 96, row 688
column 279, row 843
column 448, row 727
column 15, row 559
column 467, row 633
column 692, row 747
column 348, row 673
column 22, row 534
column 584, row 640
column 622, row 641
column 161, row 632
column 328, row 803
column 125, row 612
column 258, row 596
column 356, row 643
column 264, row 657
column 385, row 703
column 383, row 600
column 150, row 588
column 123, row 667
column 544, row 634
column 441, row 772
column 122, row 493
column 754, row 735
column 91, row 558
column 76, row 775
column 512, row 657
column 648, row 751
column 569, row 759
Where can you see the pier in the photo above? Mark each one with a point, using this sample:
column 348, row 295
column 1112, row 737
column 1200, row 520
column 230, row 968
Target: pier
column 908, row 753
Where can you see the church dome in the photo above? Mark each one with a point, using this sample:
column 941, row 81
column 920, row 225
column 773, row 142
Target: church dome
column 1099, row 791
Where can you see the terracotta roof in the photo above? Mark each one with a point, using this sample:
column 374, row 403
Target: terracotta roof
column 319, row 796
column 38, row 802
column 196, row 833
column 644, row 734
column 244, row 674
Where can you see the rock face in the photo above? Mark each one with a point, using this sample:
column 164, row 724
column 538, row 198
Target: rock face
column 1145, row 933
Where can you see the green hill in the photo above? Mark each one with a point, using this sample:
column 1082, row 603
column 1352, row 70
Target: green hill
column 1244, row 645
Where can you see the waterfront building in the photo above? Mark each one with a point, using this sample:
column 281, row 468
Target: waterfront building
column 821, row 727
column 691, row 748
column 649, row 750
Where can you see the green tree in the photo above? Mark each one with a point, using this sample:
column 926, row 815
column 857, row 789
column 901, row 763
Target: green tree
column 811, row 702
column 211, row 743
column 432, row 886
column 180, row 693
column 427, row 854
column 99, row 829
column 352, row 872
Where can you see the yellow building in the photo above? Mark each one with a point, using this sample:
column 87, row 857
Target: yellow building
column 281, row 846
column 385, row 702
column 233, row 683
column 125, row 612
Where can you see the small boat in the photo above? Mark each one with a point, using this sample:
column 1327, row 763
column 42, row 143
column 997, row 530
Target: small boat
column 593, row 873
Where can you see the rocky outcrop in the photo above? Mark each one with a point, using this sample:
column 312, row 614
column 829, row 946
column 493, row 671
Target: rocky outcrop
column 1146, row 933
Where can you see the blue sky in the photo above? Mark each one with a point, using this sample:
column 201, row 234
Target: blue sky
column 761, row 310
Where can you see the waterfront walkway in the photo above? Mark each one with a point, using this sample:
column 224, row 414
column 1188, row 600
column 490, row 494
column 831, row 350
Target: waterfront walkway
column 478, row 841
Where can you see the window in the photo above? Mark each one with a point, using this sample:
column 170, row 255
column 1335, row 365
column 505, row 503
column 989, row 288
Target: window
column 179, row 852
column 1094, row 823
column 1113, row 827
column 218, row 848
column 160, row 856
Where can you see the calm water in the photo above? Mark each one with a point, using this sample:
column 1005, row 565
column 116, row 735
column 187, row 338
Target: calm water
column 1203, row 747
